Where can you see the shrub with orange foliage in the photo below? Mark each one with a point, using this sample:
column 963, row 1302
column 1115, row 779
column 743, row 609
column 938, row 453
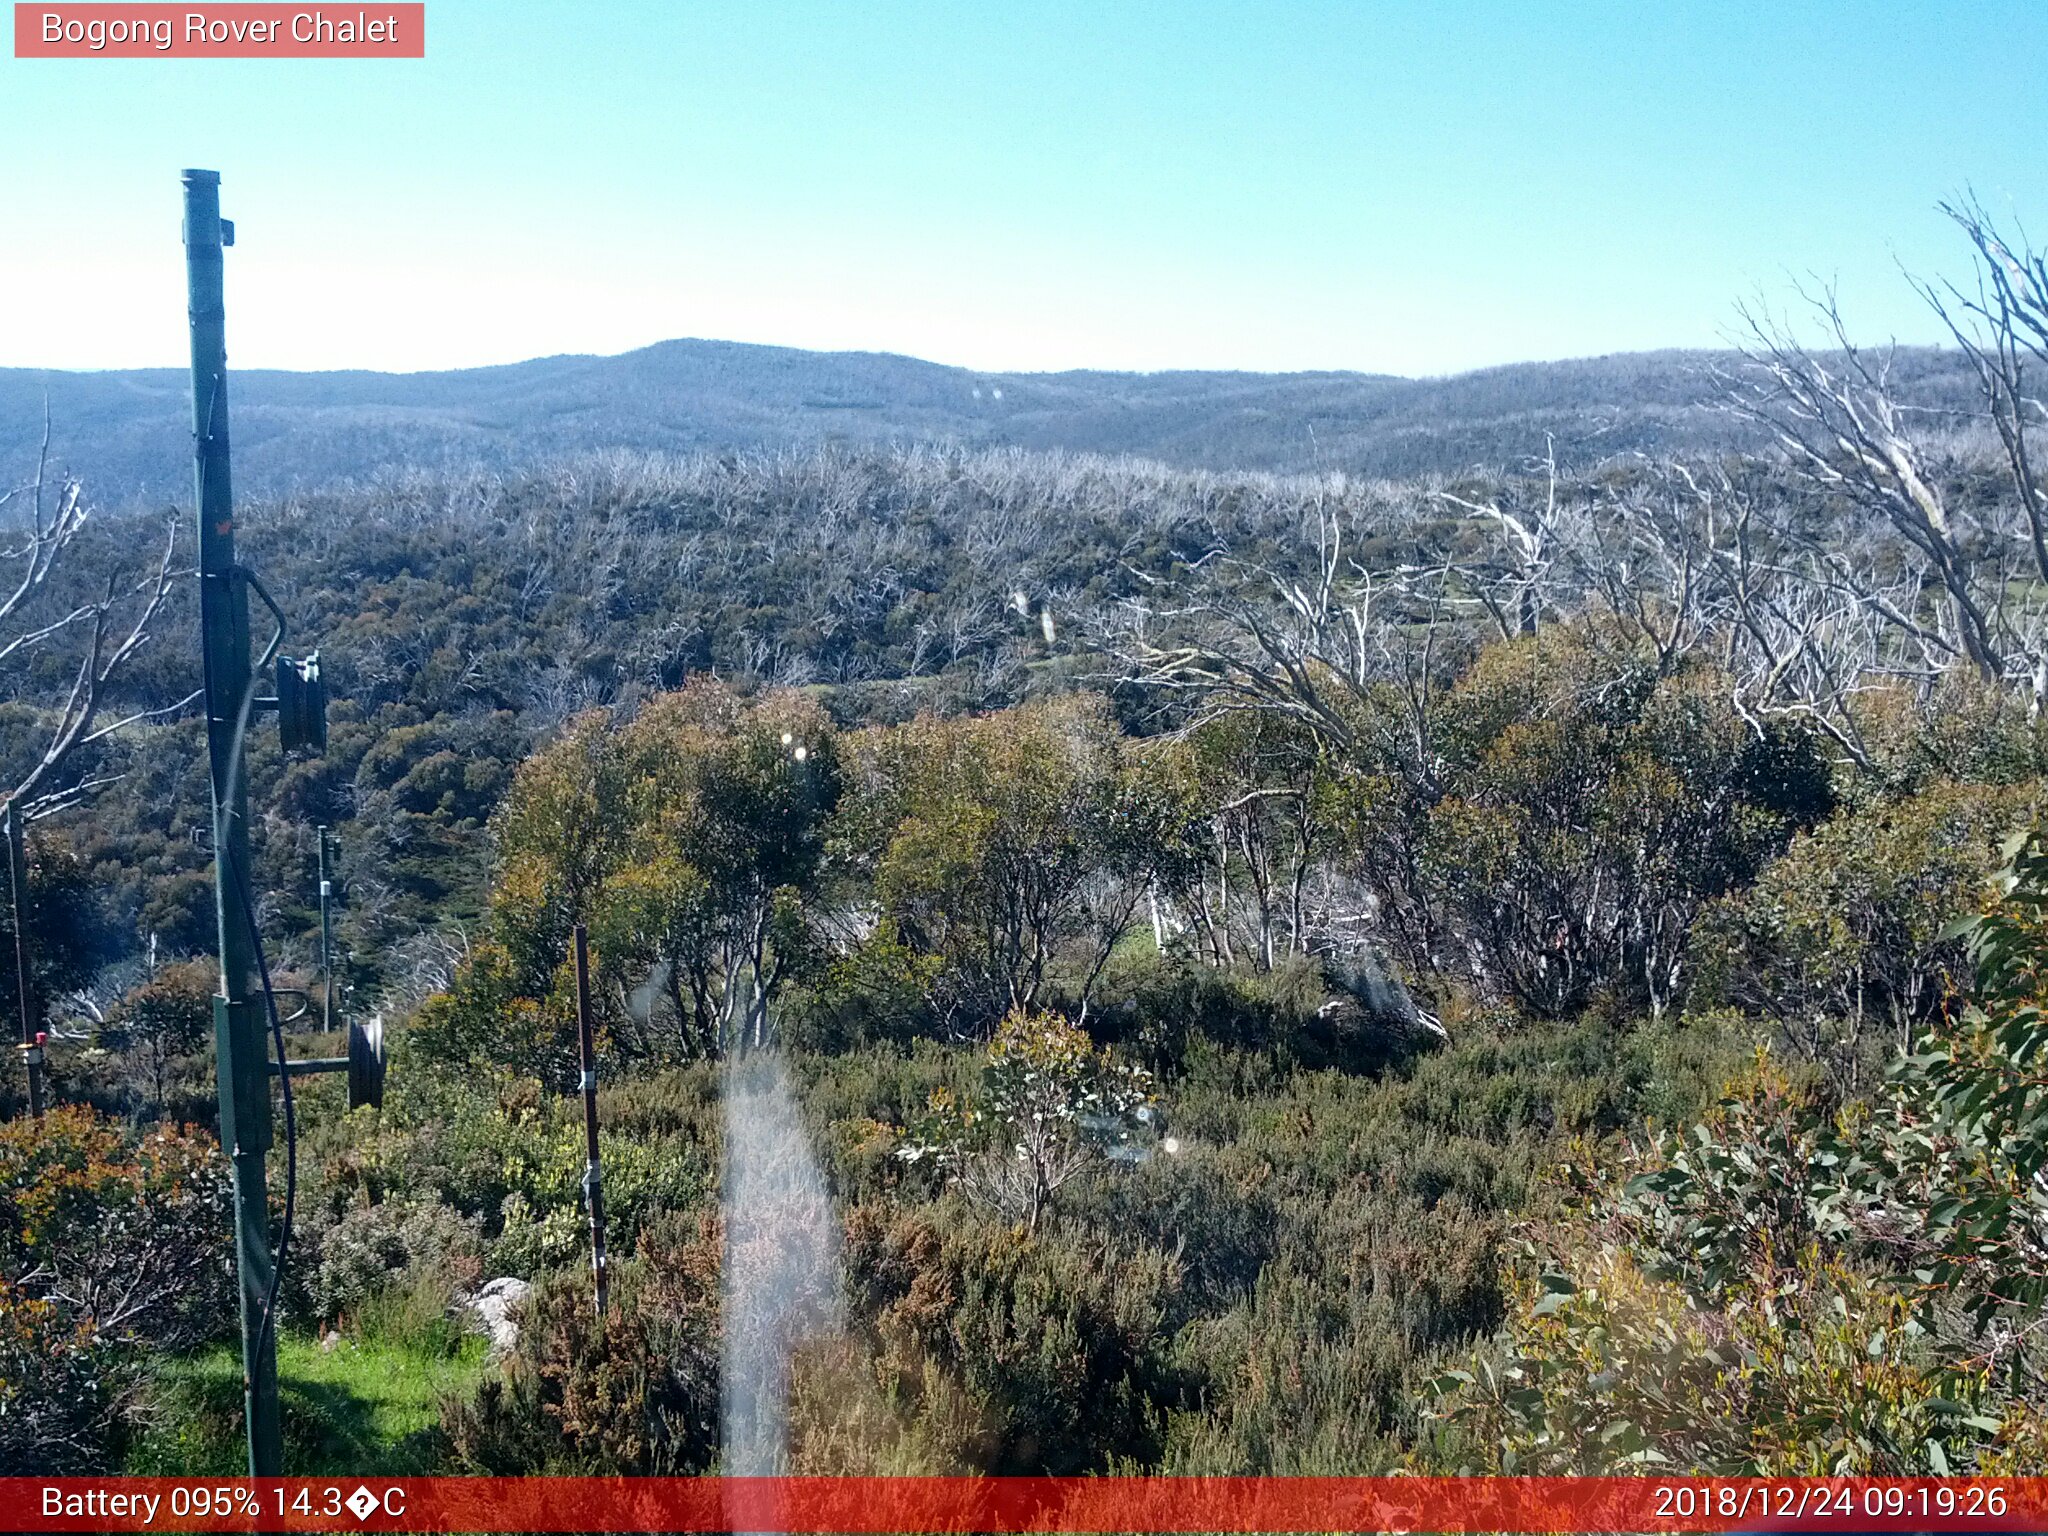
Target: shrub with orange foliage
column 108, row 1245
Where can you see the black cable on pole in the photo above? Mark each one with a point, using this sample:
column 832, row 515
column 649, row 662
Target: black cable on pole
column 268, row 1328
column 239, row 877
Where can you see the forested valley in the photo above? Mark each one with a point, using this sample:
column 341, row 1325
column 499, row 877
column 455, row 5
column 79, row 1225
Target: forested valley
column 1536, row 969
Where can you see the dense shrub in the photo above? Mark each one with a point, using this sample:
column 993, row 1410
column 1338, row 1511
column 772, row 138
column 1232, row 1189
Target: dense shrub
column 502, row 1153
column 129, row 1235
column 1791, row 1288
column 1587, row 809
column 1204, row 1208
column 637, row 1393
column 375, row 1247
column 1157, row 1007
column 63, row 1384
column 1716, row 1305
column 1841, row 941
column 1005, row 1353
column 109, row 1246
column 1049, row 1104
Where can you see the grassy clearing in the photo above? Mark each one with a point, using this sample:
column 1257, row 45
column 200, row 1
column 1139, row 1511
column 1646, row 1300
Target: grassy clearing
column 355, row 1408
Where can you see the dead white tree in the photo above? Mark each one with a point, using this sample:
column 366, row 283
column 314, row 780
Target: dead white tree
column 106, row 629
column 2001, row 325
column 1846, row 431
column 1518, row 584
column 1633, row 543
column 1310, row 640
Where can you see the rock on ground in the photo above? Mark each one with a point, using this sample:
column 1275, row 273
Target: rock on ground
column 492, row 1307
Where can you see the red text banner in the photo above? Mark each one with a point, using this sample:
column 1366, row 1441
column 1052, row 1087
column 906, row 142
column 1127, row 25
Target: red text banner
column 816, row 1506
column 237, row 31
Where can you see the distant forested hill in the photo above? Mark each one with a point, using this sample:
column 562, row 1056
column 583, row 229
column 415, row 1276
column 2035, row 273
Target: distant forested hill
column 126, row 433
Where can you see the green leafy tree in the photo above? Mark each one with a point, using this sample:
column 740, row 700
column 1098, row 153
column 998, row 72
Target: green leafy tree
column 1254, row 823
column 691, row 840
column 1843, row 942
column 1015, row 846
column 728, row 806
column 166, row 1019
column 1591, row 806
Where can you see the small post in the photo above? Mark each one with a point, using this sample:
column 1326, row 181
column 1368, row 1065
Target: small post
column 17, row 881
column 326, row 944
column 593, row 1178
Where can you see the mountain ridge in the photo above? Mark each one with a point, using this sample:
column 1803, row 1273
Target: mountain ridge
column 126, row 432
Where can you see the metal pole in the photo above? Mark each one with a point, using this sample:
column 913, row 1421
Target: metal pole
column 326, row 946
column 593, row 1178
column 17, row 882
column 241, row 1056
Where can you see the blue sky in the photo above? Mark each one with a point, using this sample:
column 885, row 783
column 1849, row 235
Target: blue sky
column 1010, row 184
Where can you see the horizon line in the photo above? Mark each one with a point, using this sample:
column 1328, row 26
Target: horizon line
column 988, row 373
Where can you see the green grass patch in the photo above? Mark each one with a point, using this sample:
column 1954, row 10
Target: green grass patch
column 360, row 1407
